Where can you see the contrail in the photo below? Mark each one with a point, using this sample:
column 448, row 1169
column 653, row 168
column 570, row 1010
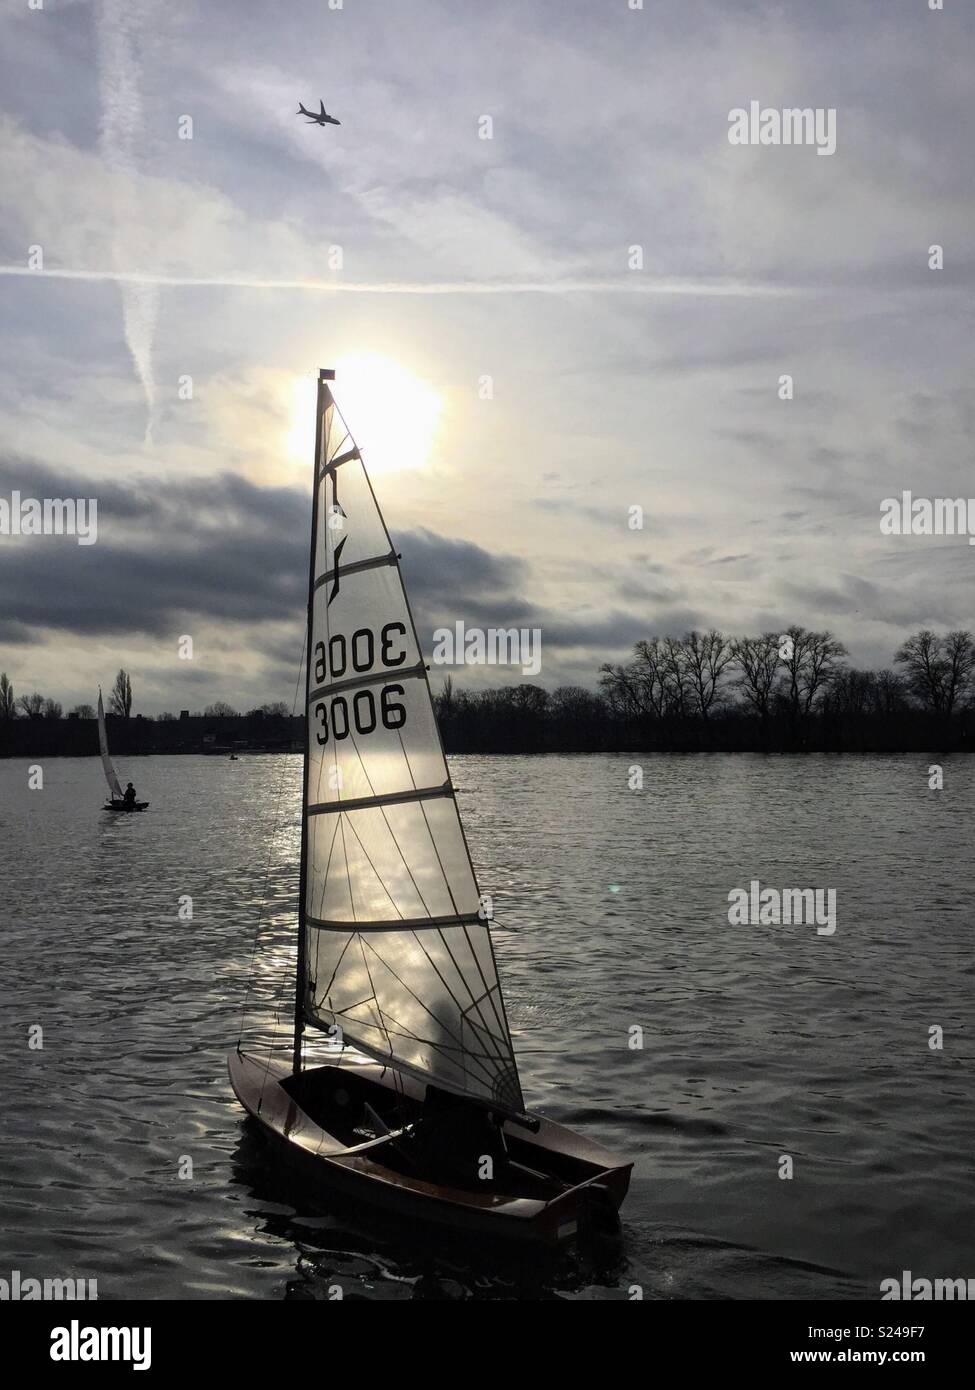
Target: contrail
column 119, row 24
column 638, row 284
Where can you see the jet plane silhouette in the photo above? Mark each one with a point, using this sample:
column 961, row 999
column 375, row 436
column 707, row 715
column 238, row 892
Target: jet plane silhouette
column 321, row 118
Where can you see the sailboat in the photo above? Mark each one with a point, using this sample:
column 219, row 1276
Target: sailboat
column 116, row 800
column 415, row 1103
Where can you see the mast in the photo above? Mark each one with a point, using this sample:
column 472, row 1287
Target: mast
column 324, row 394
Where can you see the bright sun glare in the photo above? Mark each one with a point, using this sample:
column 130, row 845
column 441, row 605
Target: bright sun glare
column 392, row 414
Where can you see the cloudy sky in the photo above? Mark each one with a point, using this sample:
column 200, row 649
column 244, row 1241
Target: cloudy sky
column 462, row 258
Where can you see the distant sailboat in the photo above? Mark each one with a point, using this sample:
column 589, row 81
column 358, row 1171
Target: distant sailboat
column 395, row 957
column 117, row 800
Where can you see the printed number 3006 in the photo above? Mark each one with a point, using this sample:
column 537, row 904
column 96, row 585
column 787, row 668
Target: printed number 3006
column 335, row 714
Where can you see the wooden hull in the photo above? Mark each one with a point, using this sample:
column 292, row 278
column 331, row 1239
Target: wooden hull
column 557, row 1186
column 118, row 806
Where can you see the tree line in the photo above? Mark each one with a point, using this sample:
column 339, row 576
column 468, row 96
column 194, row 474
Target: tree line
column 706, row 690
column 794, row 674
column 38, row 706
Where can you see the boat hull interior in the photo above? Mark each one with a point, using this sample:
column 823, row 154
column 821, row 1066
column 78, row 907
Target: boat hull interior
column 367, row 1129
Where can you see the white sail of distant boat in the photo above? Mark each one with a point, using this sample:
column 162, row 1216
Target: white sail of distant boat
column 114, row 786
column 394, row 956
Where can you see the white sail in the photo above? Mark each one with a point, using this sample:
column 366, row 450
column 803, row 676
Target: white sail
column 114, row 786
column 396, row 954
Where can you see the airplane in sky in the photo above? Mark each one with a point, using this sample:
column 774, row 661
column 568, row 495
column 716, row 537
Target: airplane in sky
column 320, row 118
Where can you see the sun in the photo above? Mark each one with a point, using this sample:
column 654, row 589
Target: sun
column 392, row 414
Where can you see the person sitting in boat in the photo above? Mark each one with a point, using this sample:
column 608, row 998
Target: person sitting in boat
column 128, row 799
column 453, row 1137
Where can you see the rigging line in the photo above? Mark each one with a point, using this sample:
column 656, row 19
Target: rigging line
column 400, row 1030
column 451, row 1053
column 482, row 1030
column 348, row 868
column 392, row 832
column 445, row 1029
column 328, row 989
column 498, row 998
column 493, row 992
column 372, row 866
column 499, row 1017
column 375, row 997
column 502, row 1027
column 347, row 1008
column 328, row 865
column 267, row 866
column 462, row 1010
column 456, row 1056
column 500, row 1022
column 494, row 996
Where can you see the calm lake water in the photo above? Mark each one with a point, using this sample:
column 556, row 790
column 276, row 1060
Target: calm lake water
column 612, row 909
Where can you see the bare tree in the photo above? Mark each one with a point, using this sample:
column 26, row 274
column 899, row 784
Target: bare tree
column 8, row 704
column 811, row 661
column 757, row 659
column 528, row 699
column 851, row 692
column 84, row 711
column 890, row 694
column 940, row 670
column 959, row 656
column 617, row 688
column 444, row 702
column 676, row 676
column 52, row 710
column 706, row 656
column 220, row 710
column 120, row 699
column 921, row 655
column 32, row 704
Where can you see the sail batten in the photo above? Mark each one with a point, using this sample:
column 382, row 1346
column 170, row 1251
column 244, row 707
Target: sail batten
column 377, row 678
column 394, row 950
column 376, row 562
column 390, row 799
column 403, row 924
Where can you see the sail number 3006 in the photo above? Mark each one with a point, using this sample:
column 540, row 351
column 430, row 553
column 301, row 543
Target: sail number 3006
column 336, row 715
